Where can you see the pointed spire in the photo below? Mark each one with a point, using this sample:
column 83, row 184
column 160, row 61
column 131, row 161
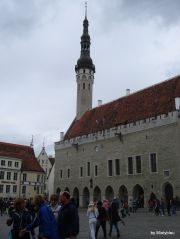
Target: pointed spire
column 43, row 144
column 85, row 60
column 85, row 10
column 32, row 141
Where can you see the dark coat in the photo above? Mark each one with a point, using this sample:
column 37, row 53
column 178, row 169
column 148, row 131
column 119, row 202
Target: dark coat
column 114, row 214
column 68, row 221
column 20, row 220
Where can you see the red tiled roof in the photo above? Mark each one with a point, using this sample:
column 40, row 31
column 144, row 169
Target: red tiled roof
column 26, row 153
column 155, row 100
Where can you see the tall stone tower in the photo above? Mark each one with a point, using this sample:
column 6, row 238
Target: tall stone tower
column 85, row 70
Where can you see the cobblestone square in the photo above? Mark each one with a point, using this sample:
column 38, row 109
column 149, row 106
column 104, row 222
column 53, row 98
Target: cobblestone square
column 141, row 225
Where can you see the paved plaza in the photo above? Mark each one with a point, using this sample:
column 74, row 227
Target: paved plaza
column 141, row 225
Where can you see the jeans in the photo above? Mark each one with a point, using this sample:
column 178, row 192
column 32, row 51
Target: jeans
column 103, row 225
column 115, row 224
column 92, row 226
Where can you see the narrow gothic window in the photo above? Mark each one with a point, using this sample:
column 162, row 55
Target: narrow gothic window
column 110, row 168
column 117, row 166
column 89, row 87
column 84, row 71
column 153, row 163
column 130, row 165
column 84, row 86
column 138, row 164
column 78, row 86
column 68, row 173
column 88, row 168
column 81, row 171
column 96, row 171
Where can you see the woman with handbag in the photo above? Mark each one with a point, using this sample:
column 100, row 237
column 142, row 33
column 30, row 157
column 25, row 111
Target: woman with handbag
column 92, row 214
column 20, row 218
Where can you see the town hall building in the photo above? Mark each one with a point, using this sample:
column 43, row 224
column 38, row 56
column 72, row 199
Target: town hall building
column 128, row 148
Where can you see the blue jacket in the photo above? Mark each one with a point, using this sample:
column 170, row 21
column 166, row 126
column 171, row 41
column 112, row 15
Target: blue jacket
column 46, row 222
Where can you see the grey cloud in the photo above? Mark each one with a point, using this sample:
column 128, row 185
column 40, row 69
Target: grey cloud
column 162, row 11
column 19, row 17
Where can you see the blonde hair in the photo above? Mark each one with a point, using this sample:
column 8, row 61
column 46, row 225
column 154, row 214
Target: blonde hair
column 38, row 200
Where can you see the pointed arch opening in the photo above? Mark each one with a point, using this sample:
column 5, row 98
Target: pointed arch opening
column 168, row 191
column 123, row 193
column 86, row 197
column 76, row 196
column 109, row 193
column 138, row 195
column 97, row 194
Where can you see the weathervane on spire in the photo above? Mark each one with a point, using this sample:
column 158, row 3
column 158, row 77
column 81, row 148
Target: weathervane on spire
column 85, row 9
column 31, row 144
column 44, row 143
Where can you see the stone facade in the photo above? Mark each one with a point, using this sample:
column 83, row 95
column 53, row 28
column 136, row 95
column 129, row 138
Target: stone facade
column 160, row 136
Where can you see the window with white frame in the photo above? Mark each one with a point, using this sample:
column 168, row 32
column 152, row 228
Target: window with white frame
column 153, row 163
column 8, row 177
column 1, row 174
column 23, row 189
column 14, row 188
column 16, row 164
column 15, row 176
column 2, row 162
column 24, row 177
column 8, row 188
column 9, row 163
column 1, row 188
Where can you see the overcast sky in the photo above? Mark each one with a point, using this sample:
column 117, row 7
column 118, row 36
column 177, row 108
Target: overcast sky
column 134, row 44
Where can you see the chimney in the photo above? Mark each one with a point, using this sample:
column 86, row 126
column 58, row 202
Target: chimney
column 61, row 136
column 127, row 91
column 99, row 102
column 177, row 103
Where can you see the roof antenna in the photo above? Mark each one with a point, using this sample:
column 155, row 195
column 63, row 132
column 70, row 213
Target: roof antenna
column 32, row 141
column 86, row 10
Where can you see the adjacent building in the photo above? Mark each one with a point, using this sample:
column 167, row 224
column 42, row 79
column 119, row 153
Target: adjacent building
column 46, row 163
column 20, row 172
column 129, row 147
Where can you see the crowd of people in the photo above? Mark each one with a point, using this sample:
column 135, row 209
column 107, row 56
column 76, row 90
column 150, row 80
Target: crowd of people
column 59, row 219
column 161, row 207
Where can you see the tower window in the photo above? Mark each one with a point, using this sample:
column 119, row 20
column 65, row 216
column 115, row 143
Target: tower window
column 84, row 86
column 84, row 71
column 89, row 87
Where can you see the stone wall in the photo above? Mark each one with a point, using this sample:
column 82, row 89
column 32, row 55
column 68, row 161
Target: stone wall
column 160, row 135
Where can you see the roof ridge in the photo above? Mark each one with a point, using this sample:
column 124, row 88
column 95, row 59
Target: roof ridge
column 135, row 92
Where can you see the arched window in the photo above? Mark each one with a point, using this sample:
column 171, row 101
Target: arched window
column 84, row 86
